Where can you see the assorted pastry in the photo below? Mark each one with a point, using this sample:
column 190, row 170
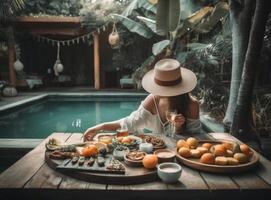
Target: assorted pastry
column 136, row 155
column 225, row 153
column 157, row 142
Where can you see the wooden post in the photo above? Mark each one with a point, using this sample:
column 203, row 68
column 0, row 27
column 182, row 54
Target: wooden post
column 96, row 61
column 11, row 59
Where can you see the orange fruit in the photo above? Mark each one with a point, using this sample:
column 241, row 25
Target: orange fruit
column 182, row 143
column 126, row 140
column 150, row 161
column 90, row 150
column 119, row 139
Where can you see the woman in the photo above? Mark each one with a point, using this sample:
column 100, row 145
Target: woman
column 169, row 86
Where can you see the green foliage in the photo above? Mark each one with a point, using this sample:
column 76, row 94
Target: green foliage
column 9, row 8
column 158, row 47
column 168, row 16
column 98, row 13
column 139, row 5
column 53, row 7
column 133, row 26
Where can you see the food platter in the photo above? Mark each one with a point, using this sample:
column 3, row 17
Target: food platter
column 129, row 174
column 215, row 168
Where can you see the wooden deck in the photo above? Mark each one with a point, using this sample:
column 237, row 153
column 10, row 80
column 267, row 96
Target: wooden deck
column 32, row 178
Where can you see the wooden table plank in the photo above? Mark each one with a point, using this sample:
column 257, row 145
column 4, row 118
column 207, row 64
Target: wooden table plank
column 217, row 181
column 156, row 185
column 18, row 174
column 264, row 170
column 249, row 181
column 190, row 179
column 46, row 177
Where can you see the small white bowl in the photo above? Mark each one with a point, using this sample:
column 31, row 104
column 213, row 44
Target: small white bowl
column 169, row 172
column 146, row 147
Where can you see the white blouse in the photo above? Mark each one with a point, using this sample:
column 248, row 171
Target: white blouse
column 142, row 119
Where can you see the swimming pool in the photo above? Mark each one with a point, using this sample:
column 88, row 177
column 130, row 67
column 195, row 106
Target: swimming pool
column 40, row 118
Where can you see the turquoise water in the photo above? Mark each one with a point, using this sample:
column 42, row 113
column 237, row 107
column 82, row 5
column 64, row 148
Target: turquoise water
column 42, row 119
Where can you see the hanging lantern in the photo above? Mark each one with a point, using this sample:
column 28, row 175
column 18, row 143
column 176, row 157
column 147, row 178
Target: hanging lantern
column 18, row 65
column 58, row 66
column 114, row 38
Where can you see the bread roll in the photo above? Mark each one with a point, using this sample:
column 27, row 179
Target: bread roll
column 195, row 153
column 207, row 145
column 232, row 161
column 229, row 153
column 220, row 150
column 207, row 158
column 242, row 158
column 182, row 143
column 221, row 160
column 202, row 150
column 228, row 145
column 184, row 152
column 192, row 142
column 245, row 149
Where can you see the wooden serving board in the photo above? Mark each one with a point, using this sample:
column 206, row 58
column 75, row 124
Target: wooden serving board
column 195, row 164
column 132, row 175
column 68, row 165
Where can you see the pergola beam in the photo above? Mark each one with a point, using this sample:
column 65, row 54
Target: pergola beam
column 97, row 84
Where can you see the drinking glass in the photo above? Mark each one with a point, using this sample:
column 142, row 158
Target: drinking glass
column 123, row 131
column 170, row 128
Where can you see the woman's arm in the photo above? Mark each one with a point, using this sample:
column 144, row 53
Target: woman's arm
column 108, row 126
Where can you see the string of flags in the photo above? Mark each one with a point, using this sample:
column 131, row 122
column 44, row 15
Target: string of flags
column 86, row 38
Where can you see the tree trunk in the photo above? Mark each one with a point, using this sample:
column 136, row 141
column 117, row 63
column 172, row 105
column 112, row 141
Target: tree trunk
column 241, row 15
column 242, row 126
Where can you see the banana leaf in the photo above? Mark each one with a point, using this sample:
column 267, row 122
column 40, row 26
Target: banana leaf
column 168, row 16
column 137, row 4
column 192, row 21
column 10, row 7
column 133, row 26
column 149, row 23
column 160, row 46
column 220, row 10
column 181, row 57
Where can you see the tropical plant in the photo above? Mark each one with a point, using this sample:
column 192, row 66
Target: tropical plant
column 242, row 125
column 262, row 115
column 9, row 8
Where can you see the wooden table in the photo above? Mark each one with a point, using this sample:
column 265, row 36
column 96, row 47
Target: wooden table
column 31, row 178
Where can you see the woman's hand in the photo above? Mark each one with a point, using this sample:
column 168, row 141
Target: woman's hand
column 89, row 134
column 178, row 122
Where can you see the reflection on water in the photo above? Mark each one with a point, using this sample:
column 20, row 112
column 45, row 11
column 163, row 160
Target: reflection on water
column 76, row 123
column 40, row 120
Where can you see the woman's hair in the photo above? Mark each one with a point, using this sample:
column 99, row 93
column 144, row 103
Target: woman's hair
column 182, row 103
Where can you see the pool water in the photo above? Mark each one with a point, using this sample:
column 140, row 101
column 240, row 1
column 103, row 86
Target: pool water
column 41, row 119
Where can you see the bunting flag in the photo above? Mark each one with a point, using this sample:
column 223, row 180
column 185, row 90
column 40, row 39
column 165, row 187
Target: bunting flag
column 86, row 38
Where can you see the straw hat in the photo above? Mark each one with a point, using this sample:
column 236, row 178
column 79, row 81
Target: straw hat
column 169, row 79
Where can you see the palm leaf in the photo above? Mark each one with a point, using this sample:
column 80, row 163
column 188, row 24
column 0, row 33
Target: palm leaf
column 9, row 7
column 133, row 26
column 149, row 22
column 160, row 46
column 137, row 4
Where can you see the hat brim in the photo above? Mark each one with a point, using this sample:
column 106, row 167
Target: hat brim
column 188, row 83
